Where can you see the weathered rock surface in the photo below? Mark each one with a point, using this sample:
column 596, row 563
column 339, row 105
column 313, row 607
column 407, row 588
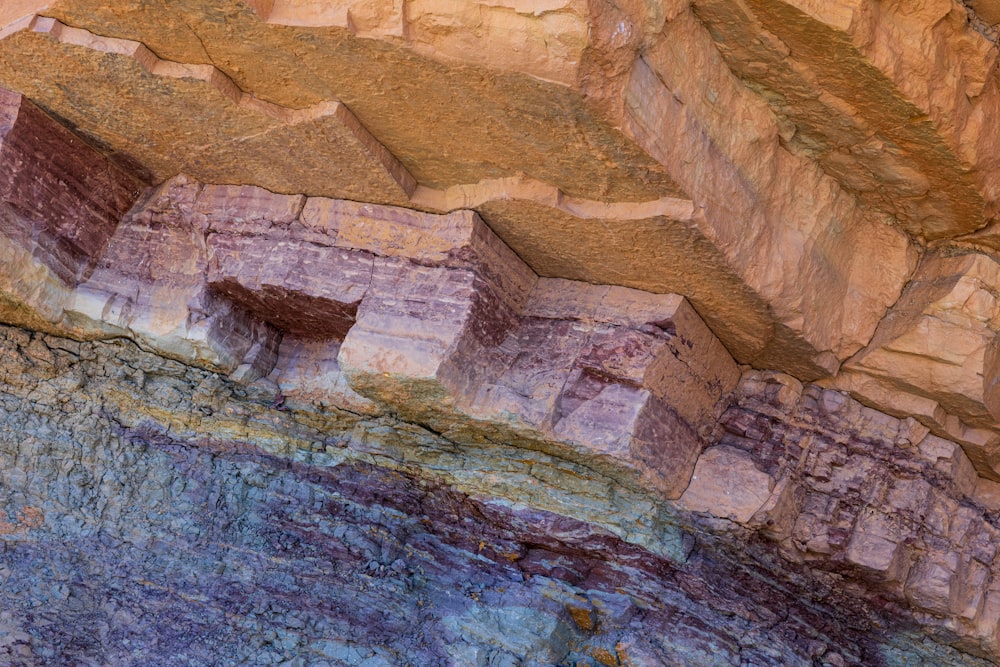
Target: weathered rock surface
column 431, row 316
column 596, row 118
column 61, row 200
column 931, row 356
column 159, row 512
column 476, row 332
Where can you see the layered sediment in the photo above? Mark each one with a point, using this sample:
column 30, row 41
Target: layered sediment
column 499, row 333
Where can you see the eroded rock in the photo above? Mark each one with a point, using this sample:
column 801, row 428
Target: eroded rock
column 932, row 358
column 501, row 258
column 61, row 199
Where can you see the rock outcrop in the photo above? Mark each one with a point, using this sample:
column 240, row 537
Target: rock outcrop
column 498, row 333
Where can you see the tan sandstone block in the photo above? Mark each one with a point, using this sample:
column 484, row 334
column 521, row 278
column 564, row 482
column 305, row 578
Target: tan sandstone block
column 383, row 81
column 782, row 223
column 727, row 484
column 937, row 346
column 382, row 18
column 546, row 41
column 205, row 124
column 891, row 113
column 876, row 547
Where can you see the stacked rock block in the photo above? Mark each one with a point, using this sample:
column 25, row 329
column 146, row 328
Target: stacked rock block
column 863, row 496
column 595, row 138
column 933, row 357
column 151, row 285
column 432, row 317
column 140, row 523
column 382, row 309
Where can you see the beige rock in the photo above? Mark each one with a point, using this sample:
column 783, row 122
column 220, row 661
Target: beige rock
column 928, row 357
column 559, row 135
column 206, row 126
column 727, row 484
column 780, row 221
column 31, row 294
column 365, row 19
column 875, row 546
column 460, row 142
column 546, row 40
column 850, row 78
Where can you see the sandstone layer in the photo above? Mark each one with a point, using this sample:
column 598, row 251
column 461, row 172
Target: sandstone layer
column 500, row 332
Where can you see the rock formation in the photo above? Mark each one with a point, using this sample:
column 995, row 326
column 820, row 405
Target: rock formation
column 563, row 332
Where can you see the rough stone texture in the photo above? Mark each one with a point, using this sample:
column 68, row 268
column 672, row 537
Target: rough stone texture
column 160, row 513
column 839, row 77
column 59, row 198
column 862, row 493
column 328, row 55
column 726, row 483
column 680, row 104
column 205, row 124
column 430, row 316
column 474, row 278
column 930, row 357
column 560, row 95
column 151, row 285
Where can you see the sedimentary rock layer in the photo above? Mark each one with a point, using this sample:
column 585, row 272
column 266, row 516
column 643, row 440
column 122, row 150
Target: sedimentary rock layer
column 59, row 198
column 495, row 316
column 606, row 130
column 430, row 316
column 262, row 532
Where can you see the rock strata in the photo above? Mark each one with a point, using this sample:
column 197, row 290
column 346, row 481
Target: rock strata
column 499, row 332
column 61, row 200
column 241, row 531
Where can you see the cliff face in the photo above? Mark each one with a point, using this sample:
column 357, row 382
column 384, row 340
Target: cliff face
column 591, row 333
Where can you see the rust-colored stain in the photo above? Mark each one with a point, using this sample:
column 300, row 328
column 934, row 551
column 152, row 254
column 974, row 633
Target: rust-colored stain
column 27, row 518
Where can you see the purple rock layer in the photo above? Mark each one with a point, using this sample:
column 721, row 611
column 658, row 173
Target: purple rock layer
column 127, row 540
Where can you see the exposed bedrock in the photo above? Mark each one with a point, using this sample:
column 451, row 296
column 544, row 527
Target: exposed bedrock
column 61, row 200
column 431, row 349
column 154, row 509
column 499, row 332
column 622, row 143
column 429, row 316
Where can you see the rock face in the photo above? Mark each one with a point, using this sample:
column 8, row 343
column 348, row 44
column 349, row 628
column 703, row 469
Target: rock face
column 498, row 333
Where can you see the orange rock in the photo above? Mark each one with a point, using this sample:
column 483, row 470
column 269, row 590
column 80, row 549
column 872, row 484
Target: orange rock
column 929, row 356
